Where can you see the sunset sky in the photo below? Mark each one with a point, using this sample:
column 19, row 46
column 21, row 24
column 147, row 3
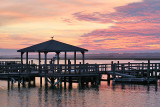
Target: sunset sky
column 98, row 25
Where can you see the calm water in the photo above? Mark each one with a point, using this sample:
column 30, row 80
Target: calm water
column 104, row 95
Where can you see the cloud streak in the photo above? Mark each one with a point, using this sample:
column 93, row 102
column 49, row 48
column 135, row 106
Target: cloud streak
column 136, row 28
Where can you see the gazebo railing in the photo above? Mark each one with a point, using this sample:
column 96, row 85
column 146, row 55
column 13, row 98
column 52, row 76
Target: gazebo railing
column 69, row 69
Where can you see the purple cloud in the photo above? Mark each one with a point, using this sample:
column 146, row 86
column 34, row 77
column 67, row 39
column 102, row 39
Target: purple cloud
column 136, row 27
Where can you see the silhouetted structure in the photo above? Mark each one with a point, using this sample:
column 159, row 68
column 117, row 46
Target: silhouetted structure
column 52, row 46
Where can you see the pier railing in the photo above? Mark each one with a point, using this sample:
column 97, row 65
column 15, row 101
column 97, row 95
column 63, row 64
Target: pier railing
column 50, row 68
column 69, row 69
column 135, row 69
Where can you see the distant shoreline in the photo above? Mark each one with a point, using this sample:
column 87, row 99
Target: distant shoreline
column 100, row 56
column 97, row 58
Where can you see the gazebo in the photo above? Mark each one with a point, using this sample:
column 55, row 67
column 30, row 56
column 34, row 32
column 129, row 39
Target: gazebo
column 52, row 46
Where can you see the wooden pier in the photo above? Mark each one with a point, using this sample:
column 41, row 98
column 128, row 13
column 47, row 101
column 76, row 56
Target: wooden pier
column 81, row 73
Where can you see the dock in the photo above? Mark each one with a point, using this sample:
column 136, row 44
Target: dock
column 81, row 73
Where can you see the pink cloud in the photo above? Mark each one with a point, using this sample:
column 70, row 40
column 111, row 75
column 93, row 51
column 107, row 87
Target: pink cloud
column 10, row 41
column 136, row 28
column 94, row 17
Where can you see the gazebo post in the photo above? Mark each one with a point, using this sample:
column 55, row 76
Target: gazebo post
column 21, row 62
column 83, row 57
column 27, row 60
column 57, row 58
column 65, row 60
column 29, row 81
column 19, row 72
column 45, row 53
column 39, row 56
column 22, row 67
column 22, row 58
column 75, row 61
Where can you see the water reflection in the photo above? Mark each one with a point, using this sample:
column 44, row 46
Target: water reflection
column 107, row 93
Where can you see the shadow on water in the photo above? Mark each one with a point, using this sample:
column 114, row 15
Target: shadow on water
column 132, row 86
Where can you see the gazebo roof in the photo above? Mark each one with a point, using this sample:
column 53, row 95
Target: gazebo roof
column 52, row 46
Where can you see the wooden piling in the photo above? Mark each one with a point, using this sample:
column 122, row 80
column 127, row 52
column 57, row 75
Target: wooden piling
column 142, row 72
column 148, row 70
column 40, row 81
column 23, row 82
column 64, row 82
column 79, row 81
column 108, row 77
column 8, row 83
column 34, row 81
column 19, row 82
column 46, row 71
column 156, row 72
column 113, row 69
column 152, row 70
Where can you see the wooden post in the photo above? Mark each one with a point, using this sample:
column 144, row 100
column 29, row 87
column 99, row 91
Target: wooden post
column 39, row 57
column 148, row 69
column 29, row 80
column 21, row 62
column 22, row 57
column 80, row 67
column 122, row 68
column 64, row 82
column 142, row 73
column 27, row 61
column 58, row 68
column 69, row 66
column 156, row 71
column 65, row 61
column 19, row 81
column 80, row 81
column 118, row 64
column 52, row 80
column 152, row 70
column 111, row 65
column 69, row 69
column 87, row 70
column 23, row 82
column 75, row 61
column 113, row 69
column 22, row 67
column 57, row 57
column 83, row 57
column 111, row 62
column 40, row 70
column 108, row 77
column 129, row 66
column 46, row 71
column 8, row 83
